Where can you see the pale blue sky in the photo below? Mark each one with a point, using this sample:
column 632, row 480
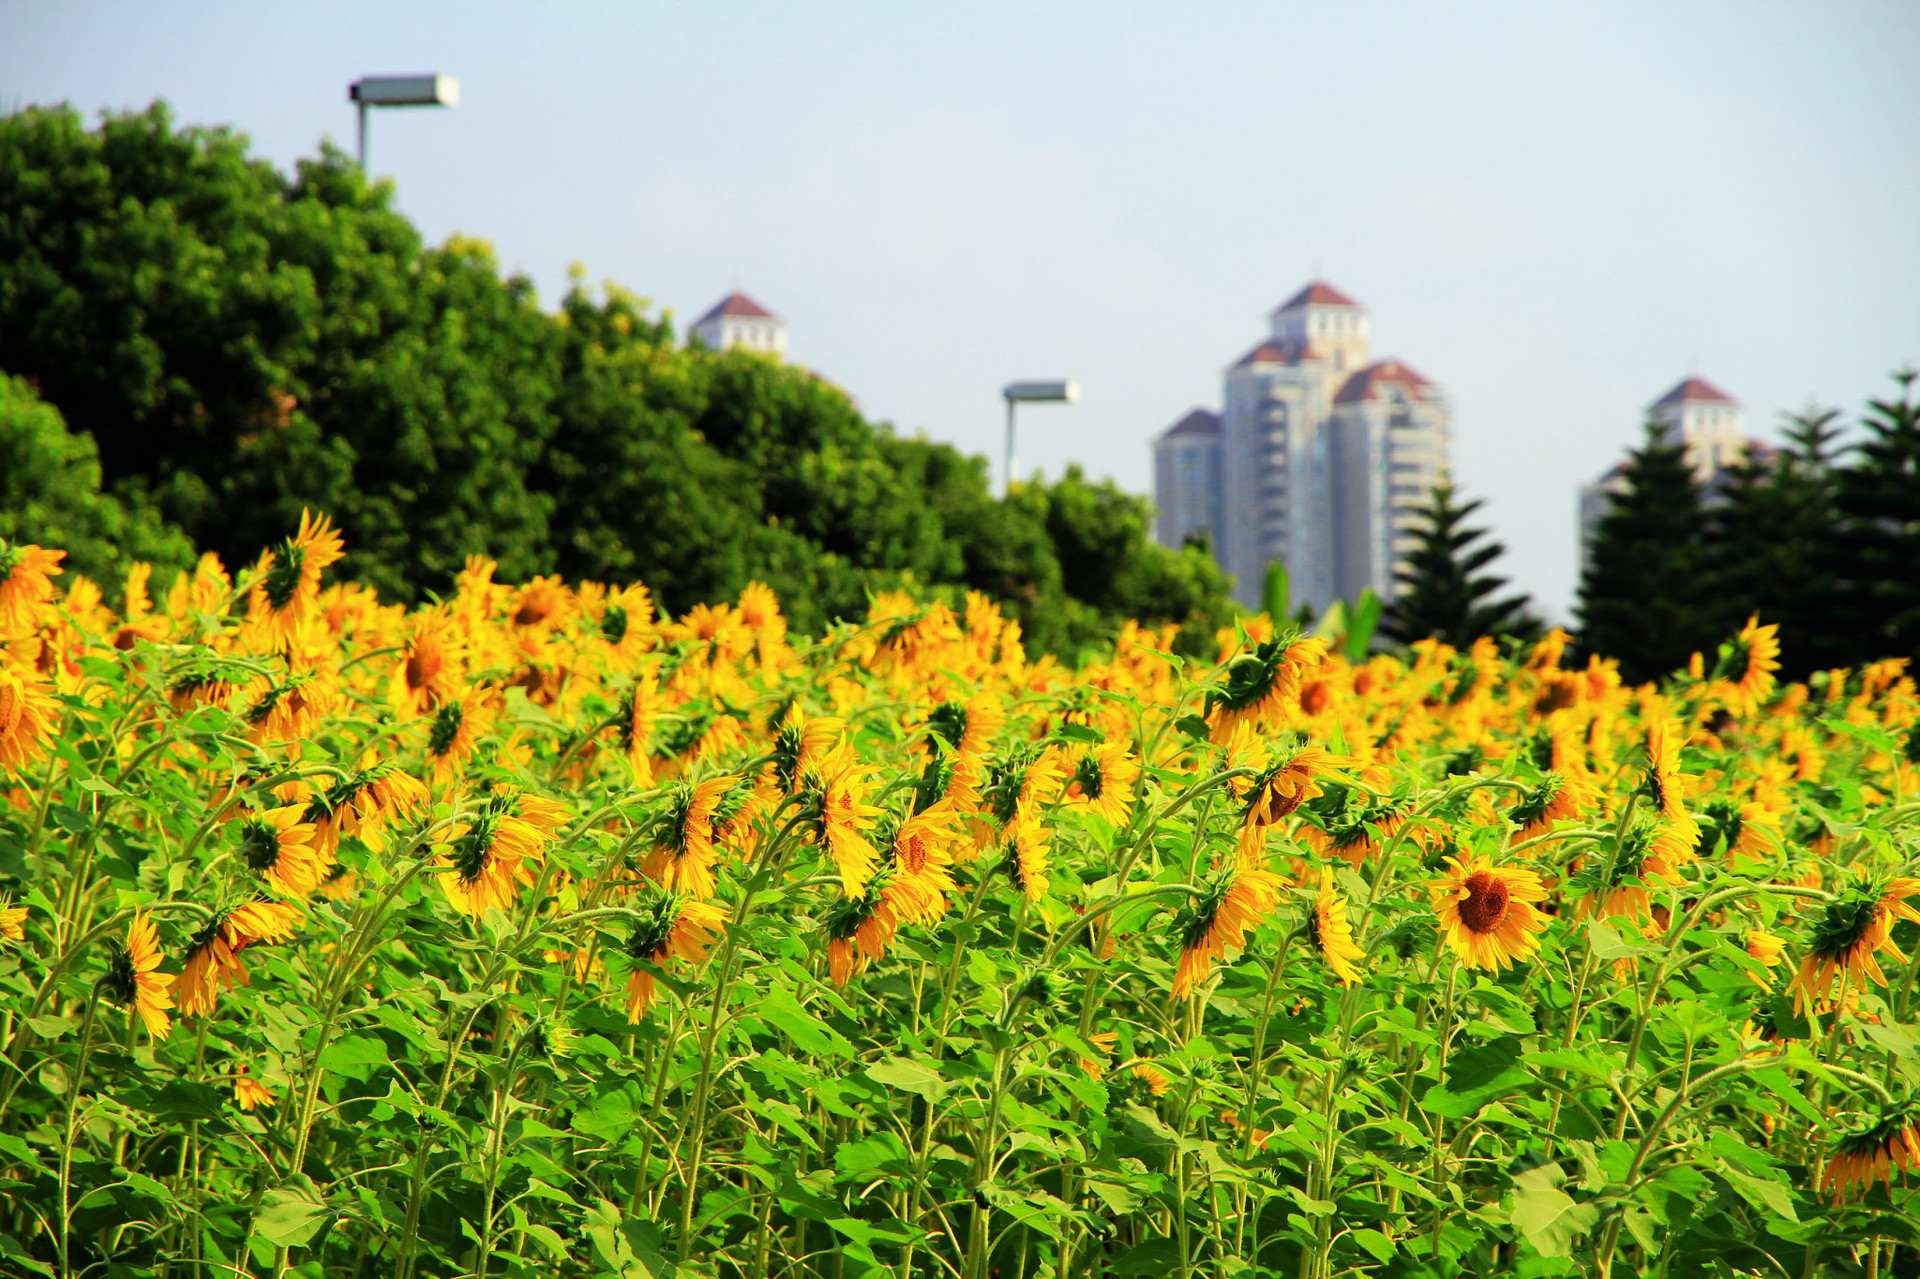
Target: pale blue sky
column 1555, row 211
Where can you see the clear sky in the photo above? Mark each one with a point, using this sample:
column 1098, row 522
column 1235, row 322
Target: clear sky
column 1555, row 211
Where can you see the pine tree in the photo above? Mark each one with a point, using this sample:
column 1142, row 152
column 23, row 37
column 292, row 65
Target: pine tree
column 1644, row 598
column 1442, row 593
column 1876, row 563
column 1772, row 542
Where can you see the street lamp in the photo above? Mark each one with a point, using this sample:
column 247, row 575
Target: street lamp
column 1060, row 391
column 400, row 91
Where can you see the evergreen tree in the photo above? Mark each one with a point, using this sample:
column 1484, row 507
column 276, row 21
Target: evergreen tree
column 1772, row 542
column 1644, row 598
column 1443, row 594
column 1876, row 562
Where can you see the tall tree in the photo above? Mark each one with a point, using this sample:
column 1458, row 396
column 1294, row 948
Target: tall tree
column 1771, row 543
column 1442, row 592
column 1644, row 597
column 1877, row 545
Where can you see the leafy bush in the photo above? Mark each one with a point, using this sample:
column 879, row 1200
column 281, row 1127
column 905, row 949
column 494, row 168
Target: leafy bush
column 532, row 933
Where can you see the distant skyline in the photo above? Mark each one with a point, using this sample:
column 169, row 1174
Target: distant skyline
column 1556, row 212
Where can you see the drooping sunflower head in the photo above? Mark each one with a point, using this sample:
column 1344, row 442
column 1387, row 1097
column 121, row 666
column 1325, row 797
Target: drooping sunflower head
column 1744, row 674
column 132, row 982
column 26, row 584
column 1102, row 781
column 1557, row 798
column 28, row 716
column 1889, row 1140
column 859, row 930
column 1848, row 933
column 1331, row 933
column 1260, row 682
column 1027, row 849
column 1666, row 785
column 1219, row 919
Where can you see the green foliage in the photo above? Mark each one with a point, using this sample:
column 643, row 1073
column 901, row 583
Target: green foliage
column 241, row 345
column 1876, row 551
column 50, row 495
column 1442, row 592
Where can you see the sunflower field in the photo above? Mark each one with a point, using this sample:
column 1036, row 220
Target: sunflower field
column 530, row 933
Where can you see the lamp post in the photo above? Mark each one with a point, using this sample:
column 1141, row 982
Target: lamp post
column 400, row 91
column 1059, row 391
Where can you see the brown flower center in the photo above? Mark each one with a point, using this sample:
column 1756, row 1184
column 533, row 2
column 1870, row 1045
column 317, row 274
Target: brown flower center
column 424, row 665
column 1485, row 908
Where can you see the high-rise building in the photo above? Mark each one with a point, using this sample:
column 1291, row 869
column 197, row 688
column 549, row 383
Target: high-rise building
column 1323, row 457
column 1708, row 422
column 737, row 320
column 1186, row 479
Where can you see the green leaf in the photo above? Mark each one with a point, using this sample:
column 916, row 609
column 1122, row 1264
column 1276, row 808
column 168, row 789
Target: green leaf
column 1376, row 1243
column 292, row 1214
column 1762, row 1193
column 811, row 1035
column 1547, row 1216
column 355, row 1056
column 906, row 1075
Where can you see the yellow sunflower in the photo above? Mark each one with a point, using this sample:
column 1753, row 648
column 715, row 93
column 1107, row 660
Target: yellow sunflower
column 283, row 598
column 1332, row 934
column 1102, row 782
column 1890, row 1141
column 1846, row 937
column 1027, row 849
column 249, row 1093
column 1220, row 920
column 1486, row 912
column 682, row 860
column 673, row 929
column 25, row 585
column 1261, row 684
column 213, row 955
column 28, row 716
column 427, row 676
column 278, row 845
column 132, row 982
column 1766, row 948
column 1745, row 673
column 13, row 921
column 1286, row 783
column 845, row 817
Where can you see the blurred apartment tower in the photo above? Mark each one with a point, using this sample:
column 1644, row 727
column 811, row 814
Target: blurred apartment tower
column 737, row 320
column 1186, row 479
column 1707, row 421
column 1324, row 459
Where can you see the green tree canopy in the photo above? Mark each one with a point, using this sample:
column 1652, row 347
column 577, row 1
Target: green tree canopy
column 50, row 496
column 1644, row 596
column 1876, row 550
column 241, row 344
column 1442, row 592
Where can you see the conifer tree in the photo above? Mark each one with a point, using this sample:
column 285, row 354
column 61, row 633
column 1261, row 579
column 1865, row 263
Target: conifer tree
column 1442, row 592
column 1643, row 597
column 1876, row 604
column 1772, row 542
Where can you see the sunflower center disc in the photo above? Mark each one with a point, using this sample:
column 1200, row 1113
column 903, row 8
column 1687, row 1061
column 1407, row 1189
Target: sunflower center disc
column 1486, row 904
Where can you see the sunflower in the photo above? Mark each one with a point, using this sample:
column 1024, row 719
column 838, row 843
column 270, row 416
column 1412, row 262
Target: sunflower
column 213, row 955
column 1280, row 789
column 487, row 859
column 1027, row 848
column 282, row 600
column 427, row 676
column 1259, row 685
column 1639, row 858
column 1332, row 934
column 969, row 727
column 844, row 818
column 1102, row 1042
column 1102, row 782
column 801, row 745
column 1356, row 840
column 290, row 710
column 132, row 981
column 1744, row 676
column 1765, row 948
column 1891, row 1140
column 541, row 602
column 364, row 803
column 25, row 585
column 673, row 928
column 921, row 857
column 279, row 846
column 248, row 1092
column 1486, row 912
column 623, row 620
column 639, row 711
column 859, row 930
column 13, row 921
column 1155, row 1078
column 1558, row 798
column 454, row 734
column 1220, row 920
column 1847, row 935
column 28, row 715
column 682, row 860
column 1677, row 834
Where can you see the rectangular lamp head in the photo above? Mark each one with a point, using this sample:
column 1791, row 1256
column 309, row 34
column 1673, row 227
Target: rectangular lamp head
column 406, row 91
column 1064, row 390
